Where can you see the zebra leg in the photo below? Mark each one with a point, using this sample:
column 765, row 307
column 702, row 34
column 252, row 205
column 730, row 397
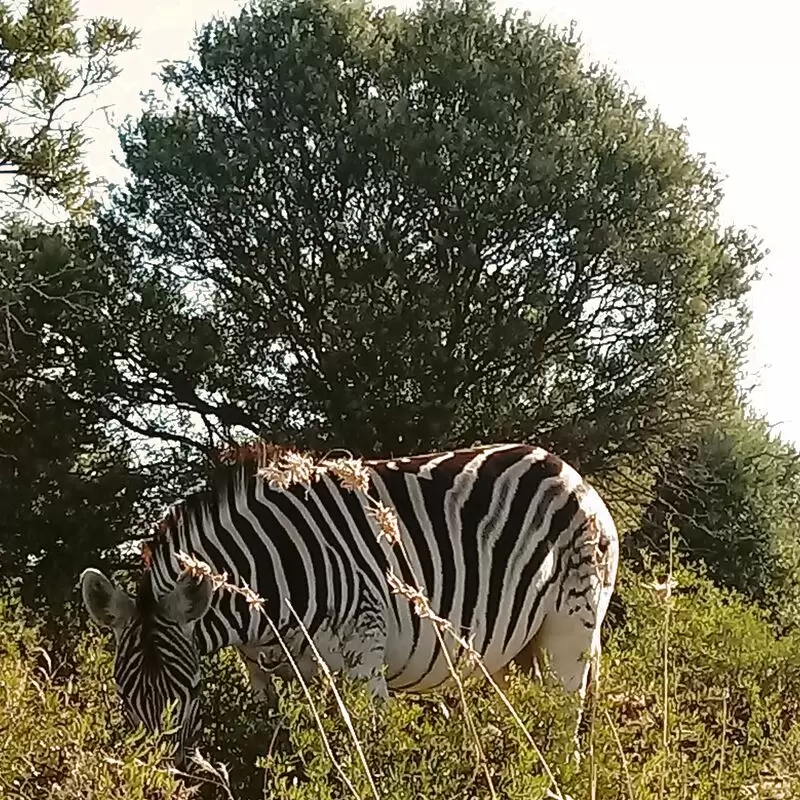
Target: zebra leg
column 569, row 636
column 365, row 658
column 263, row 687
column 559, row 654
column 568, row 646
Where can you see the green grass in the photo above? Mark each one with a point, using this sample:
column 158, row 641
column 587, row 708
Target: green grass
column 61, row 733
column 732, row 702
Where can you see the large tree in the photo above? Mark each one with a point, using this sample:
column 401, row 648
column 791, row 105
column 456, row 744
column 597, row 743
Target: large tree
column 394, row 231
column 66, row 489
column 51, row 66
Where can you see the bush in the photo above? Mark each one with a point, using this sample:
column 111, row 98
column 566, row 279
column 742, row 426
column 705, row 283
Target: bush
column 732, row 700
column 61, row 734
column 732, row 690
column 729, row 498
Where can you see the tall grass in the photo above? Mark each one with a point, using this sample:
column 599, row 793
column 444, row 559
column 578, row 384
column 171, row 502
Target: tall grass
column 734, row 706
column 699, row 699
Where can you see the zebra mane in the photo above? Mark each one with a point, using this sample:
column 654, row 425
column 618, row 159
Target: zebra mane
column 248, row 457
column 145, row 599
column 252, row 452
column 194, row 501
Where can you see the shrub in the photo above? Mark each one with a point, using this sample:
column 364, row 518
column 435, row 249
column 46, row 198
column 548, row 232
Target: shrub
column 729, row 497
column 732, row 694
column 731, row 686
column 61, row 734
column 732, row 698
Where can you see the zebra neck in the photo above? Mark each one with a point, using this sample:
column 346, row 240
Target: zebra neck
column 215, row 631
column 231, row 622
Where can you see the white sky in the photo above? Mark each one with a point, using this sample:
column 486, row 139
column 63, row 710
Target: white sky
column 726, row 70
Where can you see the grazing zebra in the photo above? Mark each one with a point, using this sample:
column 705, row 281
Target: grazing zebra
column 509, row 543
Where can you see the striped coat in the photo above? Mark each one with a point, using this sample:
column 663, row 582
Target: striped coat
column 509, row 544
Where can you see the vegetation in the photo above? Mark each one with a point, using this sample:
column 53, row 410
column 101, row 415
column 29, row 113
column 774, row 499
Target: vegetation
column 62, row 733
column 388, row 232
column 728, row 498
column 420, row 230
column 63, row 481
column 49, row 65
column 68, row 485
column 731, row 720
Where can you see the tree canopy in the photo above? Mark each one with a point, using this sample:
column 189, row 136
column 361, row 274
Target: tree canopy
column 398, row 231
column 49, row 64
column 66, row 488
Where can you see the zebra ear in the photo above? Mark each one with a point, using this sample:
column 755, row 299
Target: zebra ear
column 106, row 603
column 190, row 598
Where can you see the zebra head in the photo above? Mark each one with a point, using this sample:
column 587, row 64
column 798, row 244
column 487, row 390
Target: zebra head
column 157, row 662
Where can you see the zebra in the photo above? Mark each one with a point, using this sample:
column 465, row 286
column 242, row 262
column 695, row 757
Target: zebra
column 510, row 544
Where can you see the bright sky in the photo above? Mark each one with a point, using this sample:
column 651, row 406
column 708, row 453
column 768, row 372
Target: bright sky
column 726, row 70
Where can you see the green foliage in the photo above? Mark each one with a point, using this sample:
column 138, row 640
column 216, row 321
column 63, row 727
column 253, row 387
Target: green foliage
column 732, row 698
column 403, row 231
column 732, row 701
column 66, row 486
column 62, row 736
column 48, row 65
column 730, row 497
column 388, row 232
column 733, row 693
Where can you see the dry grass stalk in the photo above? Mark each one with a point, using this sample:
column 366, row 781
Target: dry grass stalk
column 291, row 468
column 387, row 522
column 623, row 759
column 218, row 772
column 200, row 568
column 722, row 746
column 342, row 707
column 282, row 469
column 467, row 713
column 599, row 543
column 351, row 472
column 422, row 607
column 668, row 586
column 595, row 687
column 390, row 530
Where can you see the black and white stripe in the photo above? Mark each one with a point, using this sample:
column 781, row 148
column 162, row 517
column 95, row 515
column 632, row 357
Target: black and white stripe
column 508, row 542
column 156, row 665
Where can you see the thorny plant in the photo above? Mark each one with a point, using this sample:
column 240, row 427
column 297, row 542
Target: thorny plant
column 284, row 468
